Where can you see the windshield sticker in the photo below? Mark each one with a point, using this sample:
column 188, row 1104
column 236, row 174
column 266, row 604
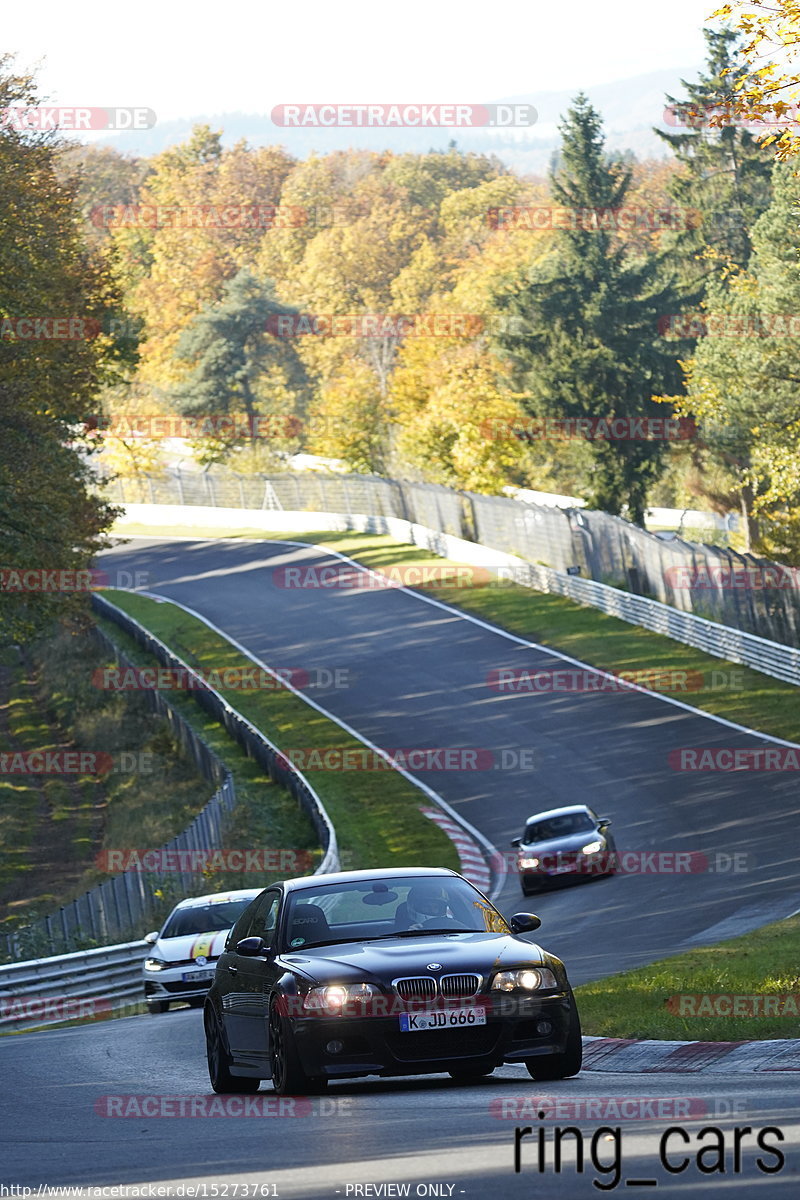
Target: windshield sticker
column 297, row 942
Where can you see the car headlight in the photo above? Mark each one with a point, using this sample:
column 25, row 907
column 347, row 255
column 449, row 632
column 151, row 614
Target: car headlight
column 529, row 979
column 525, row 863
column 334, row 998
column 155, row 964
column 592, row 848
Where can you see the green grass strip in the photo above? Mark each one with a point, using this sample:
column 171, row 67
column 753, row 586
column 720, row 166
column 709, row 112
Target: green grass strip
column 764, row 964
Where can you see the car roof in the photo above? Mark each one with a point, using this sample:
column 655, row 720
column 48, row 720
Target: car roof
column 310, row 881
column 558, row 812
column 219, row 897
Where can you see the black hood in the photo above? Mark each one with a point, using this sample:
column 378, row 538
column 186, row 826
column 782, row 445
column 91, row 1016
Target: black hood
column 382, row 960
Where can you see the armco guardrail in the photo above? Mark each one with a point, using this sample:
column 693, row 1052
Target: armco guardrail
column 252, row 740
column 771, row 658
column 743, row 591
column 87, row 983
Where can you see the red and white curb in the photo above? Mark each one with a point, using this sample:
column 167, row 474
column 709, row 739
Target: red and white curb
column 474, row 866
column 717, row 1058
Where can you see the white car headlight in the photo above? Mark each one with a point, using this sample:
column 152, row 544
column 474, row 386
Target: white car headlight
column 528, row 979
column 592, row 848
column 155, row 964
column 526, row 863
column 334, row 998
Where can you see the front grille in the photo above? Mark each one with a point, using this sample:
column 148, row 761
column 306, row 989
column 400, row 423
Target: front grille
column 416, row 987
column 443, row 1044
column 186, row 985
column 460, row 987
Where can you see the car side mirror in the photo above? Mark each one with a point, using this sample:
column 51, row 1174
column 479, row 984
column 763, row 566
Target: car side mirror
column 603, row 821
column 252, row 947
column 516, row 841
column 151, row 938
column 524, row 923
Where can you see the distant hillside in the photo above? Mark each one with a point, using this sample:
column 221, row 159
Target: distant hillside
column 630, row 107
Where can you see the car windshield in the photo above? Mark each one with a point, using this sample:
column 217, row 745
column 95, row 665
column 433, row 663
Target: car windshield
column 558, row 826
column 385, row 908
column 205, row 918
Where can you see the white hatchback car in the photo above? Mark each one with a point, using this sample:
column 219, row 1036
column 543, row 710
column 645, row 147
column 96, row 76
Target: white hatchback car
column 184, row 954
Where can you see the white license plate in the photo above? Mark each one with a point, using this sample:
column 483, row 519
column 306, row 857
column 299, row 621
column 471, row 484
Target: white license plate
column 449, row 1018
column 192, row 976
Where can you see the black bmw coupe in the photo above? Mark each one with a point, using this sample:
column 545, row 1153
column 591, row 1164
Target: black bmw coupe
column 390, row 972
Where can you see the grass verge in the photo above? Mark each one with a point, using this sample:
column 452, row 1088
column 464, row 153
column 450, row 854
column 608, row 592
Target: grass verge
column 646, row 1002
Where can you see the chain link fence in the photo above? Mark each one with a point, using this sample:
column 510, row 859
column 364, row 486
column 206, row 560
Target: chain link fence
column 743, row 591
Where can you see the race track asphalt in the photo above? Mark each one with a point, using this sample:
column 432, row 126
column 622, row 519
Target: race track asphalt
column 416, row 676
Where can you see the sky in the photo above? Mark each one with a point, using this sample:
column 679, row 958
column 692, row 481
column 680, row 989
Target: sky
column 186, row 59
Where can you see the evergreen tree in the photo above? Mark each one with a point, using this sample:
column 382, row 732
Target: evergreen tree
column 743, row 380
column 591, row 345
column 725, row 184
column 239, row 365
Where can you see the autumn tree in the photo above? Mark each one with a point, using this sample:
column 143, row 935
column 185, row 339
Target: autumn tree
column 50, row 514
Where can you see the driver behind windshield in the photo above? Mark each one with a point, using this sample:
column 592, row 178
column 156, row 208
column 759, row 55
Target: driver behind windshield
column 427, row 906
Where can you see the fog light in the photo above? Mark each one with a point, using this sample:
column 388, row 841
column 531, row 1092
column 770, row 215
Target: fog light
column 335, row 1047
column 544, row 1027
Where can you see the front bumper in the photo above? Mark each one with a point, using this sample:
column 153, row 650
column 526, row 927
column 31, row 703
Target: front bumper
column 572, row 865
column 169, row 984
column 375, row 1045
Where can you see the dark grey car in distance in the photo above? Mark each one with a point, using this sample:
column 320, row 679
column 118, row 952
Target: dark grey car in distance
column 562, row 843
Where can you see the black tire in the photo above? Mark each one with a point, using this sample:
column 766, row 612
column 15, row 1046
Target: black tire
column 469, row 1074
column 219, row 1062
column 288, row 1076
column 157, row 1006
column 561, row 1066
column 196, row 1001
